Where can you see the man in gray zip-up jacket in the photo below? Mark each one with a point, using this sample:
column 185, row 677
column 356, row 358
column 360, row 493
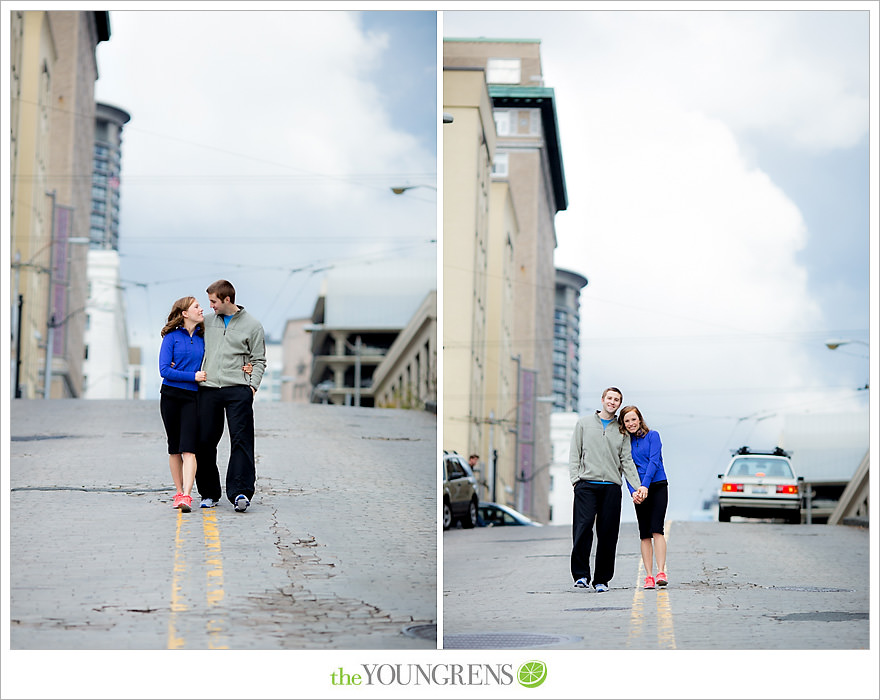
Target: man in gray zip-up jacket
column 233, row 339
column 600, row 456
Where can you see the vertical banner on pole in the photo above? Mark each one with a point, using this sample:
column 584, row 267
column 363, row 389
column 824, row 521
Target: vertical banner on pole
column 525, row 439
column 60, row 267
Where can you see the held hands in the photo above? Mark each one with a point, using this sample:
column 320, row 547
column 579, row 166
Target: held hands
column 201, row 375
column 640, row 494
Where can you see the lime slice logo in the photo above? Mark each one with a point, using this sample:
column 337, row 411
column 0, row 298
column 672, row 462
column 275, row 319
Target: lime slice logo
column 532, row 673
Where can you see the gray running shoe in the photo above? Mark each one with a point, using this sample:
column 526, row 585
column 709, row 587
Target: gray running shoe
column 582, row 583
column 241, row 503
column 208, row 503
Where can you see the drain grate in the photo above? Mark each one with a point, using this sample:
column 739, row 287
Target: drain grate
column 811, row 589
column 504, row 640
column 822, row 617
column 428, row 632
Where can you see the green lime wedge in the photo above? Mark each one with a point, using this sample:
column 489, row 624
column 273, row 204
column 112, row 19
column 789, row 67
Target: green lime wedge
column 532, row 673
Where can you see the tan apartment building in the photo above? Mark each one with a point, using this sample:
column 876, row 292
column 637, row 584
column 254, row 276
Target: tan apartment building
column 468, row 153
column 53, row 74
column 525, row 165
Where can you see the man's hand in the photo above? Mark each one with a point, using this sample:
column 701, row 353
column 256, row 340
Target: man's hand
column 201, row 376
column 640, row 494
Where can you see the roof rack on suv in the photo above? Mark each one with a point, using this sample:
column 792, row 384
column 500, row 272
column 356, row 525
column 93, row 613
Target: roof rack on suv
column 776, row 451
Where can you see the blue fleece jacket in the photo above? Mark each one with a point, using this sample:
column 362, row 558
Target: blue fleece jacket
column 647, row 453
column 185, row 352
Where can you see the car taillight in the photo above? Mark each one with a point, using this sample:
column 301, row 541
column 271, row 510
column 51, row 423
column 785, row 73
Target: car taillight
column 786, row 489
column 732, row 487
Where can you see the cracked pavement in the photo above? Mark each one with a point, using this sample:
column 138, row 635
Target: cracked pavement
column 337, row 551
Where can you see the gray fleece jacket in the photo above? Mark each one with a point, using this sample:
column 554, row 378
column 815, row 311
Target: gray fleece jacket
column 228, row 348
column 601, row 454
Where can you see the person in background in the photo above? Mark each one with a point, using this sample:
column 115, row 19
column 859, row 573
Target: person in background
column 647, row 453
column 599, row 458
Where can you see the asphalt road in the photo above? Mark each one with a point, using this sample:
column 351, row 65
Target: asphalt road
column 732, row 586
column 337, row 551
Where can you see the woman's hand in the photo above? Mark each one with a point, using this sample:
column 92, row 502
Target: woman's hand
column 248, row 368
column 201, row 376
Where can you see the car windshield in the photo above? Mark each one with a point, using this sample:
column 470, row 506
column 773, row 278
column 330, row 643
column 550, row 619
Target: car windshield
column 755, row 466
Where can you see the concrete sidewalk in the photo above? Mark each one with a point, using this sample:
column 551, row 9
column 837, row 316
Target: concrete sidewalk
column 337, row 551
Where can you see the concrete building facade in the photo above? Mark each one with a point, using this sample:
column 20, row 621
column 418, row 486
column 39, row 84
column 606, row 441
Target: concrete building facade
column 106, row 173
column 357, row 319
column 407, row 376
column 54, row 69
column 468, row 153
column 526, row 155
column 106, row 370
column 296, row 361
column 566, row 340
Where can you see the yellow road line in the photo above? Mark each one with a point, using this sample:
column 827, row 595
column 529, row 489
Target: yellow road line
column 215, row 624
column 636, row 619
column 177, row 605
column 665, row 627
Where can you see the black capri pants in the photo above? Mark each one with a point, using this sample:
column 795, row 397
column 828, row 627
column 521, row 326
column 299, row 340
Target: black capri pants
column 651, row 513
column 180, row 414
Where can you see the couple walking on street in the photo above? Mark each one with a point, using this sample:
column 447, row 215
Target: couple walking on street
column 604, row 451
column 211, row 367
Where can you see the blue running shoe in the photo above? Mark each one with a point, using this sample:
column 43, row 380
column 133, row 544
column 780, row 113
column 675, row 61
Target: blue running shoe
column 601, row 588
column 582, row 583
column 241, row 503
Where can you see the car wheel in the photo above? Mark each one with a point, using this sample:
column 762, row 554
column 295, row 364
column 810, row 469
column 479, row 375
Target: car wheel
column 723, row 515
column 447, row 515
column 470, row 520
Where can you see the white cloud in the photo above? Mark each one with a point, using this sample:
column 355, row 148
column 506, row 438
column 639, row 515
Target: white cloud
column 259, row 142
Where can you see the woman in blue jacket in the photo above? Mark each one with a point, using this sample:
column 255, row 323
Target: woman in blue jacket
column 180, row 364
column 647, row 453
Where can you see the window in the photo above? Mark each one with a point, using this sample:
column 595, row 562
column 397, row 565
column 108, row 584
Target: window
column 503, row 70
column 502, row 122
column 500, row 166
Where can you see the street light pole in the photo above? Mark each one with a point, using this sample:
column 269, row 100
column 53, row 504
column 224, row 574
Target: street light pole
column 402, row 189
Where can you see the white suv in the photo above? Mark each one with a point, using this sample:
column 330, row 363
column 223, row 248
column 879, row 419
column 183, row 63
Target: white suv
column 760, row 485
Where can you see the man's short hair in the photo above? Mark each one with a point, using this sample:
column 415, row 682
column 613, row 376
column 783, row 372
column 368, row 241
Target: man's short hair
column 474, row 457
column 223, row 289
column 613, row 388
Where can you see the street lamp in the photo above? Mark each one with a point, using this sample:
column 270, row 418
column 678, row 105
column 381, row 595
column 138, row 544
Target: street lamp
column 401, row 190
column 836, row 343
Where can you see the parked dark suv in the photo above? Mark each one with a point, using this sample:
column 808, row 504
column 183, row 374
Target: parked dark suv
column 459, row 492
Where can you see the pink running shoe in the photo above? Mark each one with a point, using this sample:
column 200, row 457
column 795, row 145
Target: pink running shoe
column 185, row 503
column 176, row 502
column 661, row 579
column 649, row 581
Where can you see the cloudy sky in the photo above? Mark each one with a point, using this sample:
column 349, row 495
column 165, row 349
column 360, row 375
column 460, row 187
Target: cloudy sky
column 262, row 148
column 717, row 172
